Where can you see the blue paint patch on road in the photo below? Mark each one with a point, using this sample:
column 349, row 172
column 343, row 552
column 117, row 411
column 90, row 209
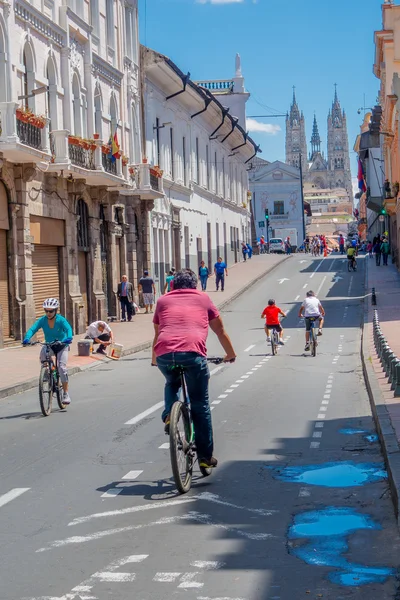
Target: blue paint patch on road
column 334, row 474
column 352, row 431
column 372, row 438
column 326, row 532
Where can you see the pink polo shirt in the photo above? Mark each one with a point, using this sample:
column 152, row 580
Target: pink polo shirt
column 183, row 317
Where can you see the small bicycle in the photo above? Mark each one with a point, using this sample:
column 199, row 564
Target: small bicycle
column 274, row 340
column 49, row 379
column 182, row 438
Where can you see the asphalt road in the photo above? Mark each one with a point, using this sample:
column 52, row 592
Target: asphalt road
column 299, row 506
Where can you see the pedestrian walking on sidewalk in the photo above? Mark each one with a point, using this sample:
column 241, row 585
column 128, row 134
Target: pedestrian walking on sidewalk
column 125, row 296
column 168, row 279
column 220, row 270
column 148, row 289
column 377, row 252
column 385, row 249
column 249, row 250
column 100, row 332
column 204, row 274
column 244, row 251
column 369, row 249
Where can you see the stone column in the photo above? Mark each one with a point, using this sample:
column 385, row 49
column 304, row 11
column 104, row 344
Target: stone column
column 8, row 122
column 60, row 142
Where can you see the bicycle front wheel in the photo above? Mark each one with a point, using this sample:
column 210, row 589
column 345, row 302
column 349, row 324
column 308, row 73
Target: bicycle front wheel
column 45, row 391
column 59, row 391
column 180, row 433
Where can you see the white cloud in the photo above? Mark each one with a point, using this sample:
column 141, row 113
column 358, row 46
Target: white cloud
column 255, row 126
column 219, row 1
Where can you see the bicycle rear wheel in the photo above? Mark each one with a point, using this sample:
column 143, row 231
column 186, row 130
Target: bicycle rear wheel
column 349, row 267
column 45, row 391
column 180, row 429
column 313, row 342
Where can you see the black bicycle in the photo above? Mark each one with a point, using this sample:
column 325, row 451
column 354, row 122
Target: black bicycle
column 313, row 336
column 49, row 378
column 351, row 264
column 182, row 437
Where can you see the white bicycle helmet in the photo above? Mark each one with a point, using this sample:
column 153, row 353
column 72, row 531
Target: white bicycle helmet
column 51, row 303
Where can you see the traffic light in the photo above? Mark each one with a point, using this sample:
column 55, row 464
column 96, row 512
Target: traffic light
column 383, row 211
column 266, row 214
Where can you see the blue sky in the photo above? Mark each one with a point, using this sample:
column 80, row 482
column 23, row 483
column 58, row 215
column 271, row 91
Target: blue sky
column 311, row 44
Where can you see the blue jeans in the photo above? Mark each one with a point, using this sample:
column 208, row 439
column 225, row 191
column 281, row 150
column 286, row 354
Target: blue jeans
column 203, row 280
column 197, row 376
column 220, row 278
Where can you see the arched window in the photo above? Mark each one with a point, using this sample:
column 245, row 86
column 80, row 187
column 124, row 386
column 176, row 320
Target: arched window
column 98, row 112
column 28, row 76
column 77, row 108
column 52, row 94
column 82, row 225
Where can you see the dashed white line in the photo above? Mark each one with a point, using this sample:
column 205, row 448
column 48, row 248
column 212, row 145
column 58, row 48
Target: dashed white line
column 315, row 445
column 145, row 413
column 213, row 371
column 327, row 396
column 317, row 434
column 321, row 416
column 12, row 494
column 234, row 385
column 166, row 577
column 312, row 274
column 304, row 492
column 132, row 475
column 320, row 287
column 164, row 446
column 250, row 348
column 297, row 297
column 325, row 401
column 222, row 396
column 216, row 402
column 304, row 286
column 112, row 492
column 319, row 425
column 229, row 391
column 239, row 381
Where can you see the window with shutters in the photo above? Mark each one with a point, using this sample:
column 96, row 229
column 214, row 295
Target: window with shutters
column 82, row 225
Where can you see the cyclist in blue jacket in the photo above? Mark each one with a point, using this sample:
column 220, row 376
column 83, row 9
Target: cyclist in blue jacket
column 55, row 328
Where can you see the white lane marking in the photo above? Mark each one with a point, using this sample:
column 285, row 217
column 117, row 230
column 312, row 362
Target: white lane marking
column 312, row 274
column 325, row 401
column 166, row 577
column 280, row 281
column 187, row 581
column 323, row 408
column 333, row 262
column 319, row 425
column 208, row 565
column 212, row 407
column 239, row 381
column 315, row 444
column 336, row 357
column 145, row 413
column 208, row 496
column 250, row 348
column 304, row 286
column 164, row 446
column 243, row 377
column 213, row 371
column 328, row 388
column 249, row 373
column 12, row 494
column 304, row 492
column 255, row 368
column 320, row 287
column 216, row 402
column 297, row 297
column 132, row 475
column 111, row 493
column 234, row 385
column 223, row 396
column 317, row 434
column 229, row 391
column 327, row 396
column 321, row 416
column 110, row 577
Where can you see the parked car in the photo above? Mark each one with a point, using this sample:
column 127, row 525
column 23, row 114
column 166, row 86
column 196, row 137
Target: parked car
column 276, row 245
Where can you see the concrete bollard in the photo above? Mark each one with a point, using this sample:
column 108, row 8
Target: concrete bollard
column 397, row 388
column 373, row 297
column 391, row 361
column 395, row 372
column 379, row 344
column 389, row 357
column 384, row 353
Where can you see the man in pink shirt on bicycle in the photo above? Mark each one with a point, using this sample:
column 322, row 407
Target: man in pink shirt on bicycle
column 181, row 322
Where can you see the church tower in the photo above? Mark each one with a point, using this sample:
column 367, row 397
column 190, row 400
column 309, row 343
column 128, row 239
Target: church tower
column 338, row 148
column 315, row 141
column 296, row 137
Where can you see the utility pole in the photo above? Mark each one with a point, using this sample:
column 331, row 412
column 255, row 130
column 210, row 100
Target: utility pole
column 302, row 199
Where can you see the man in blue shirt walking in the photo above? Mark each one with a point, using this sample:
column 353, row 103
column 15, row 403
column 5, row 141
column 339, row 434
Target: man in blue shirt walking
column 220, row 269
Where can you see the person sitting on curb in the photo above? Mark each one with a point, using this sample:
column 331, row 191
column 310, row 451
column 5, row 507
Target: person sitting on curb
column 101, row 333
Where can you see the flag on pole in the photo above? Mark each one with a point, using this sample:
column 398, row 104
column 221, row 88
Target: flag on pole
column 361, row 177
column 114, row 150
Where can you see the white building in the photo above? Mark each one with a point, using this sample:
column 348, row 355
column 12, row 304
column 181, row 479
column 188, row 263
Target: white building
column 203, row 153
column 71, row 219
column 276, row 187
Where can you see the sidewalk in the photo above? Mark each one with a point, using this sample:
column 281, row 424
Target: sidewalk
column 19, row 367
column 385, row 406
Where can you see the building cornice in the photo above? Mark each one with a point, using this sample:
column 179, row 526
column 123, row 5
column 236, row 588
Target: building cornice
column 106, row 71
column 40, row 23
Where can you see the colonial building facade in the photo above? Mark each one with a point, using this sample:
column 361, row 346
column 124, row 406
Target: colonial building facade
column 202, row 155
column 73, row 208
column 320, row 172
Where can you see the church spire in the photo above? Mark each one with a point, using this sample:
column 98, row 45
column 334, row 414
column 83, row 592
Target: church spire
column 336, row 110
column 315, row 139
column 294, row 116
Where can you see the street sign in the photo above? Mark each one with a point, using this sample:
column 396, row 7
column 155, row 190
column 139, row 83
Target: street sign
column 381, row 218
column 261, row 224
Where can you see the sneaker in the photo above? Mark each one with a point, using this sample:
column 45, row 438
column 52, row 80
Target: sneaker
column 307, row 347
column 269, row 338
column 209, row 463
column 281, row 343
column 123, row 320
column 166, row 427
column 101, row 351
column 66, row 398
column 319, row 331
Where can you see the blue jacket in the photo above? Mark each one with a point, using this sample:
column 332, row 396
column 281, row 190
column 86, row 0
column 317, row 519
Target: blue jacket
column 61, row 330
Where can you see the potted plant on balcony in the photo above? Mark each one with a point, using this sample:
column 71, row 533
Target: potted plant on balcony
column 125, row 160
column 156, row 171
column 96, row 136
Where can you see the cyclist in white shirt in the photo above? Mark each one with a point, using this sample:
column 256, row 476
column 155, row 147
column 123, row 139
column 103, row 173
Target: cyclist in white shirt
column 312, row 309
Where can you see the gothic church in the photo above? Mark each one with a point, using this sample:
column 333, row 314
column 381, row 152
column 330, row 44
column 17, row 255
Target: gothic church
column 319, row 172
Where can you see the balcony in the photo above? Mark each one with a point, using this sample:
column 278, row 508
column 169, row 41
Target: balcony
column 221, row 85
column 109, row 165
column 145, row 181
column 279, row 217
column 24, row 136
column 81, row 154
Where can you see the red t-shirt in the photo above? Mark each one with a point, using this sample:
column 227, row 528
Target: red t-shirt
column 183, row 317
column 271, row 314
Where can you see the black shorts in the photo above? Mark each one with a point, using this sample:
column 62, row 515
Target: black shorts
column 277, row 328
column 353, row 257
column 309, row 320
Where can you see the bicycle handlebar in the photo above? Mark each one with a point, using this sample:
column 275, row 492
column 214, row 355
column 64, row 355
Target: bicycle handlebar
column 38, row 343
column 217, row 360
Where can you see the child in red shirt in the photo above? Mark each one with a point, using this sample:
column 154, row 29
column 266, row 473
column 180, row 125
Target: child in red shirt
column 271, row 314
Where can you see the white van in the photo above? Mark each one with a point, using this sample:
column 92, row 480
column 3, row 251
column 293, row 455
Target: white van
column 276, row 245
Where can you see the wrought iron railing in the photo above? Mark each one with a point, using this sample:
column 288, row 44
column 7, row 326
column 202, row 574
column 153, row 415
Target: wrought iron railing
column 81, row 157
column 154, row 182
column 29, row 134
column 109, row 165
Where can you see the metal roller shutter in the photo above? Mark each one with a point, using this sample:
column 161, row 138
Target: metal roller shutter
column 4, row 283
column 46, row 276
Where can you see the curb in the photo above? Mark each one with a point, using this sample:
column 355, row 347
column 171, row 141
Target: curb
column 386, row 433
column 31, row 383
